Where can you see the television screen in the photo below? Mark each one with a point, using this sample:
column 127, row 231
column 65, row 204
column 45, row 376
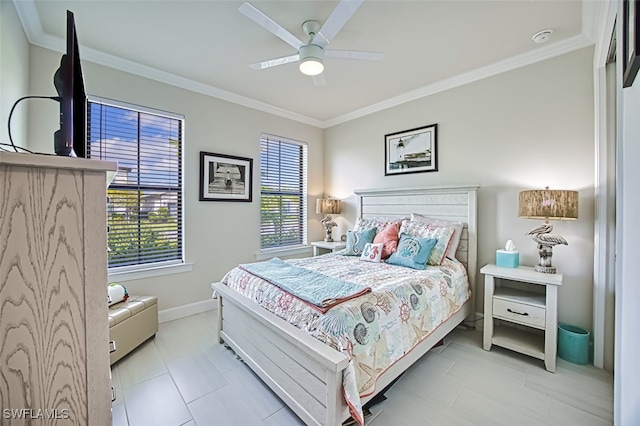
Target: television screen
column 71, row 139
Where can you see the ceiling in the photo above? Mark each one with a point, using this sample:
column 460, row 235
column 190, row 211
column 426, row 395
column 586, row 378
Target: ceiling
column 206, row 46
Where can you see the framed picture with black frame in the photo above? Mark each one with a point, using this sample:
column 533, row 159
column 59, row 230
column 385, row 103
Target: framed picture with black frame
column 630, row 41
column 225, row 177
column 411, row 151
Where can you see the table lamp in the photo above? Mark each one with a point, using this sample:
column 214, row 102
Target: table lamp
column 548, row 205
column 328, row 206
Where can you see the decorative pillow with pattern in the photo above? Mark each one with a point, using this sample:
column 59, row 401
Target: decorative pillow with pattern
column 372, row 252
column 389, row 237
column 457, row 234
column 376, row 222
column 442, row 234
column 412, row 252
column 357, row 240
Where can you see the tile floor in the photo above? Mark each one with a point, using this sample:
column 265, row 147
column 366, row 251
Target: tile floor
column 183, row 377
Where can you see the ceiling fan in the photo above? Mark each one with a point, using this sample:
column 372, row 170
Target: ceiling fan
column 311, row 55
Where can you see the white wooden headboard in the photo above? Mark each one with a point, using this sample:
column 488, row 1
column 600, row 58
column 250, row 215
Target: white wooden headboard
column 455, row 203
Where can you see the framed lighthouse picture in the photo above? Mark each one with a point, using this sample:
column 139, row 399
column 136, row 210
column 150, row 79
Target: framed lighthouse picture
column 411, row 151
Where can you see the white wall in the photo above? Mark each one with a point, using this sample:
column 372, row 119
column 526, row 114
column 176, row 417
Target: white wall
column 14, row 76
column 627, row 371
column 219, row 235
column 523, row 129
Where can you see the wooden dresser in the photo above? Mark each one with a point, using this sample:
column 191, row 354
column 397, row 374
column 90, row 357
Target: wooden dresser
column 54, row 351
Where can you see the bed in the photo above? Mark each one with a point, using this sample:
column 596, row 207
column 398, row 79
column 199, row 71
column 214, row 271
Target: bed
column 306, row 373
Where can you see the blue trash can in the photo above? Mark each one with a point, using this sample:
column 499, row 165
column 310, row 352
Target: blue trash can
column 573, row 344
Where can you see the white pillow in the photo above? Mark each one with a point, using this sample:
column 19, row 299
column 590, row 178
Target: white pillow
column 372, row 252
column 457, row 234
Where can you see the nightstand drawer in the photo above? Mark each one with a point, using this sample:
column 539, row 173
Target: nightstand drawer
column 520, row 313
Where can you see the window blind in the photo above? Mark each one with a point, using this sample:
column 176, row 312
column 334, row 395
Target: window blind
column 283, row 192
column 145, row 197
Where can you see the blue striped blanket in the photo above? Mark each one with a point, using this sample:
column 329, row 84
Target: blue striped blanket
column 321, row 291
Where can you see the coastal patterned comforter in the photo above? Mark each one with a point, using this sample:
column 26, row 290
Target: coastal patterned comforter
column 376, row 329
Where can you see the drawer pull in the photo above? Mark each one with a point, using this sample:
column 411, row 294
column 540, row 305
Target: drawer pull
column 524, row 314
column 113, row 394
column 112, row 346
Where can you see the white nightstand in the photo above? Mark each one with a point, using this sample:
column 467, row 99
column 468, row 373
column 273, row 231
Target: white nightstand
column 532, row 302
column 329, row 246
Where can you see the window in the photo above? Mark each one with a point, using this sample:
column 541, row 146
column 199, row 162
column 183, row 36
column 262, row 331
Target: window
column 145, row 198
column 283, row 193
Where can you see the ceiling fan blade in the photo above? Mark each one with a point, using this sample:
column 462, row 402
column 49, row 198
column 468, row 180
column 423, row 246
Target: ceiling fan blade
column 353, row 54
column 340, row 15
column 319, row 80
column 263, row 20
column 275, row 62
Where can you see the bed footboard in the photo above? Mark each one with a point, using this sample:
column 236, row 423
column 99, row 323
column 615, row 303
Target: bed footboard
column 305, row 373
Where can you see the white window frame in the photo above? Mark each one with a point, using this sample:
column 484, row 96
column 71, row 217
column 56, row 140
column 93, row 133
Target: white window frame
column 141, row 271
column 294, row 249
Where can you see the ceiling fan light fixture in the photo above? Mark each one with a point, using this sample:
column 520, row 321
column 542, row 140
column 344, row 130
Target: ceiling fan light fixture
column 311, row 60
column 311, row 66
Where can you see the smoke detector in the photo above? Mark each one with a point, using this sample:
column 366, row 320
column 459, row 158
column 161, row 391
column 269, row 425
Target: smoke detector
column 542, row 36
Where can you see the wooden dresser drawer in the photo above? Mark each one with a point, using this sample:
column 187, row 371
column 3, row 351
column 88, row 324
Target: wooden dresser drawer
column 521, row 313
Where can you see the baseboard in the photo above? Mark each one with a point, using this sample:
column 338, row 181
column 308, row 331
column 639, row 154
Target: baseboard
column 186, row 310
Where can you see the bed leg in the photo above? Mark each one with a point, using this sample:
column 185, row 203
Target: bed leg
column 219, row 322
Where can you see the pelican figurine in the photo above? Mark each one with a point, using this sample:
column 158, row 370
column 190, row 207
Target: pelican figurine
column 546, row 240
column 542, row 235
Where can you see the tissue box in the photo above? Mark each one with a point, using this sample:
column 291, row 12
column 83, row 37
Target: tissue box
column 507, row 259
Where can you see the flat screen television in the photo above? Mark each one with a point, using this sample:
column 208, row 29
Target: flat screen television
column 71, row 139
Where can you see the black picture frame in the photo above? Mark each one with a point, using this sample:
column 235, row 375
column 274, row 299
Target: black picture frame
column 225, row 177
column 411, row 151
column 630, row 41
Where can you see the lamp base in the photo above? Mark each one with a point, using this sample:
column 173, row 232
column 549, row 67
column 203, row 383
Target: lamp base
column 328, row 226
column 544, row 264
column 327, row 234
column 545, row 269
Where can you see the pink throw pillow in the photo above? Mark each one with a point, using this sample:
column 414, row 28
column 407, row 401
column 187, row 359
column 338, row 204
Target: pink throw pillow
column 389, row 237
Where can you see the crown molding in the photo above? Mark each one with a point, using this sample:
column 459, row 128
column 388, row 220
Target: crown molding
column 518, row 61
column 135, row 68
column 31, row 24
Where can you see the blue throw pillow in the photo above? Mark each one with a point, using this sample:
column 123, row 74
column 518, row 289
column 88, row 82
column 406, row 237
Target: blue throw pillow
column 357, row 240
column 412, row 252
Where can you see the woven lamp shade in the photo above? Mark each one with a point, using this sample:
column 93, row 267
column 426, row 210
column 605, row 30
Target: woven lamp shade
column 548, row 204
column 328, row 206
